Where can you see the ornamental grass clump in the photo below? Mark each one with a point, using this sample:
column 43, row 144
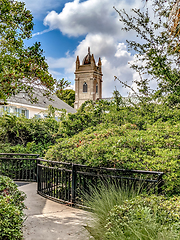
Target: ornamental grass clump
column 101, row 201
column 122, row 214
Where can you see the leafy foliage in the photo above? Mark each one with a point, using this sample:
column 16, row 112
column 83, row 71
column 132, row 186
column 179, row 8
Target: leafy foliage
column 157, row 52
column 130, row 138
column 21, row 68
column 11, row 210
column 145, row 217
column 99, row 135
column 121, row 214
column 27, row 135
column 67, row 95
column 90, row 114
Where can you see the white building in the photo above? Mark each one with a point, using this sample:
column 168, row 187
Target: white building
column 20, row 104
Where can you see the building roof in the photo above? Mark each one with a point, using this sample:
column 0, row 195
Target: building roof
column 43, row 101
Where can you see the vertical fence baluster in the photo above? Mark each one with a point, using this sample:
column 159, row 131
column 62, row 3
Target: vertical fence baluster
column 57, row 175
column 22, row 170
column 49, row 181
column 54, row 183
column 11, row 163
column 66, row 192
column 61, row 182
column 42, row 179
column 45, row 179
column 69, row 186
column 38, row 179
column 74, row 176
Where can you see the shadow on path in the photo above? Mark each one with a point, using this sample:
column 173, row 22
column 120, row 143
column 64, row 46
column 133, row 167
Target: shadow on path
column 21, row 183
column 48, row 220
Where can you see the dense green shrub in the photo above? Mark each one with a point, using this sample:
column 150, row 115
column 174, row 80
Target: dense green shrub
column 94, row 113
column 11, row 210
column 127, row 147
column 8, row 148
column 34, row 135
column 145, row 217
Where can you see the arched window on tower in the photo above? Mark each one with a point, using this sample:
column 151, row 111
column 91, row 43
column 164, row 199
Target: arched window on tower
column 85, row 87
column 96, row 88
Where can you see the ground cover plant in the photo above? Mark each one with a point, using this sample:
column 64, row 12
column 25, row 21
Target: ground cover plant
column 123, row 214
column 153, row 146
column 11, row 210
column 145, row 217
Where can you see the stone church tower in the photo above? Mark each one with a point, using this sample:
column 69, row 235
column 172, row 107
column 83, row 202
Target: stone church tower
column 88, row 80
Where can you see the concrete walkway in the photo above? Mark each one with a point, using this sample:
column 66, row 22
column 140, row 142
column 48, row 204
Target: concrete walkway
column 48, row 220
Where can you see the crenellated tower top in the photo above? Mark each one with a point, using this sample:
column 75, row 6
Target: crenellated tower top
column 88, row 79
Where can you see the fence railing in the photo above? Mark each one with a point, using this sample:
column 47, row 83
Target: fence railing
column 19, row 166
column 68, row 182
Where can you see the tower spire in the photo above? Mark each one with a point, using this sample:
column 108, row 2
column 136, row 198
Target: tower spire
column 77, row 62
column 93, row 61
column 99, row 64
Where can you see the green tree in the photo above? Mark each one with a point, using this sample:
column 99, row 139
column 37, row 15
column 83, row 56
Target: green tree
column 67, row 95
column 118, row 99
column 158, row 51
column 21, row 68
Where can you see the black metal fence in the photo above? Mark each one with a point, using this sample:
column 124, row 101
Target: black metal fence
column 55, row 180
column 68, row 182
column 19, row 166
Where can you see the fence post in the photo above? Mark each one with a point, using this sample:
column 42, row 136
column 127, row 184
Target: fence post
column 160, row 183
column 36, row 169
column 73, row 186
column 38, row 176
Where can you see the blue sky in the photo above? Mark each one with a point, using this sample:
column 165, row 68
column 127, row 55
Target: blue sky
column 66, row 29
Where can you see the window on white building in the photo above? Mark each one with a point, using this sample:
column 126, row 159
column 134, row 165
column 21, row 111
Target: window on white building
column 37, row 116
column 14, row 110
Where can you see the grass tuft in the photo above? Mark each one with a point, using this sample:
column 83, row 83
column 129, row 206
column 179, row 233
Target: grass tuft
column 114, row 220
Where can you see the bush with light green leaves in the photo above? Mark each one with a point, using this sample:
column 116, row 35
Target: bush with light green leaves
column 145, row 217
column 127, row 147
column 11, row 210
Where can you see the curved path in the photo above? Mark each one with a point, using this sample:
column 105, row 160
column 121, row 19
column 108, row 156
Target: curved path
column 48, row 220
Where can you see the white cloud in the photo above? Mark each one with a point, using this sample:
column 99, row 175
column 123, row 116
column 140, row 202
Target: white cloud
column 101, row 45
column 42, row 32
column 91, row 16
column 61, row 62
column 68, row 64
column 41, row 7
column 114, row 57
column 99, row 23
column 80, row 18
